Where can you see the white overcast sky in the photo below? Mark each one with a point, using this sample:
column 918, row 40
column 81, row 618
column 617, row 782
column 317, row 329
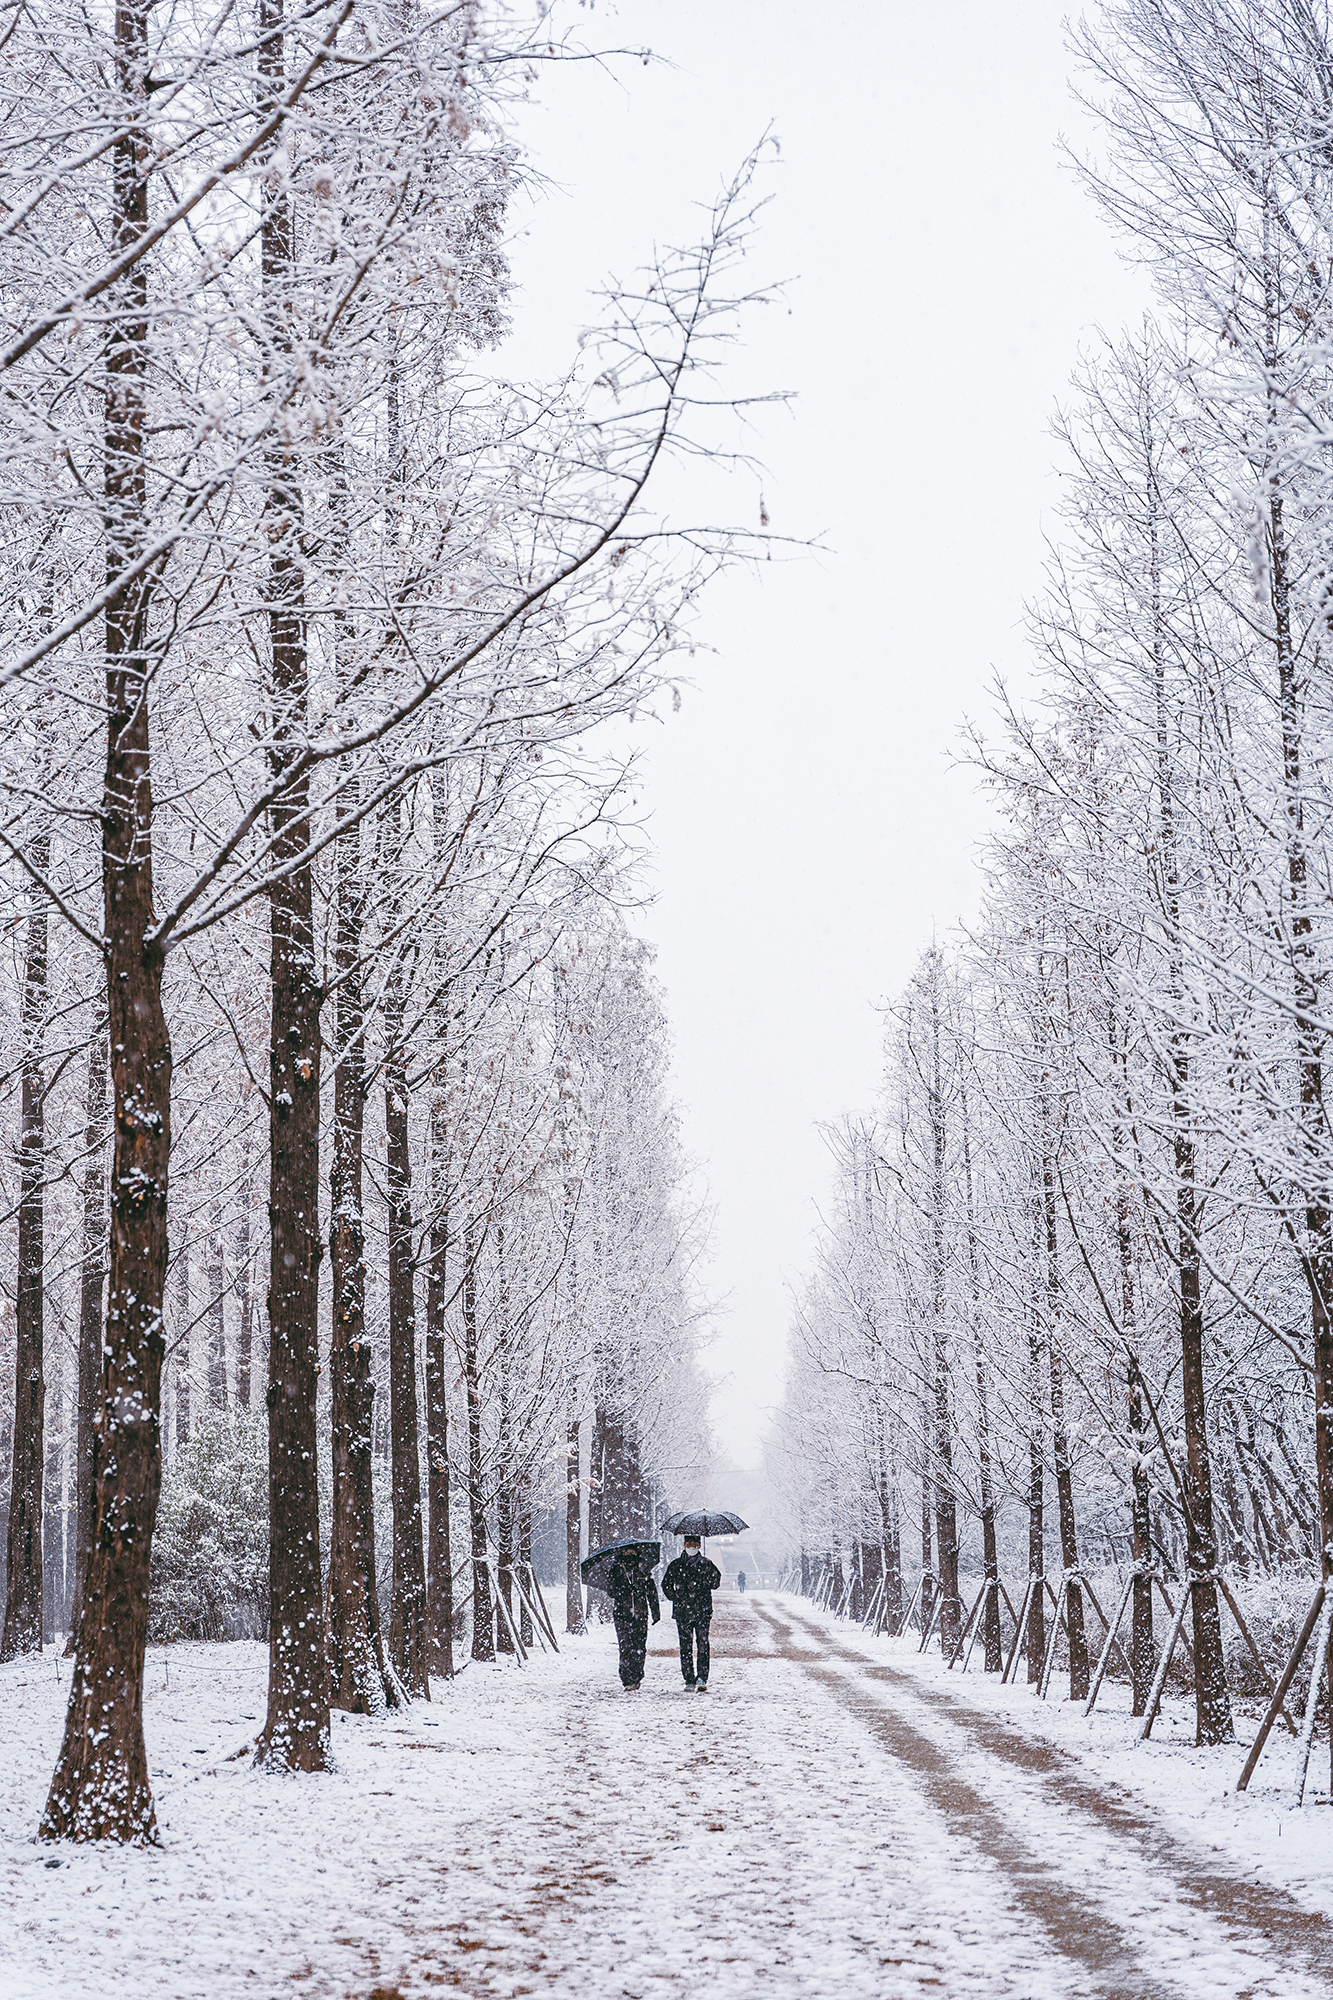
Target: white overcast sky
column 810, row 832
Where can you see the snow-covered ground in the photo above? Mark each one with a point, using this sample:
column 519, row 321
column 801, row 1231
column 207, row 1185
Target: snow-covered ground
column 836, row 1817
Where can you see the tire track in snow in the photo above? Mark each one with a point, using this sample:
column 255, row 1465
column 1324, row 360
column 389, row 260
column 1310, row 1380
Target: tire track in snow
column 1218, row 1927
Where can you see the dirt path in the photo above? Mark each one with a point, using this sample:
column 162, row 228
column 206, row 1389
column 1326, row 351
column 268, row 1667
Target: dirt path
column 822, row 1824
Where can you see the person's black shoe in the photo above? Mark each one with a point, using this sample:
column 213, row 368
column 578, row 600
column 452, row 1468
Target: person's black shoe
column 702, row 1686
column 632, row 1687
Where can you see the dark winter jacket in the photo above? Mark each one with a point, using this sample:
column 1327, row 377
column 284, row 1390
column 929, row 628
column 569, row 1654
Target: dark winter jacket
column 632, row 1590
column 690, row 1582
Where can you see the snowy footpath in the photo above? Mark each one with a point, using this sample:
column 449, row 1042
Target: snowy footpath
column 835, row 1818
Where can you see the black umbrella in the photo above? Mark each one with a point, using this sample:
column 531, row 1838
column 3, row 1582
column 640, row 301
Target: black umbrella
column 704, row 1523
column 596, row 1567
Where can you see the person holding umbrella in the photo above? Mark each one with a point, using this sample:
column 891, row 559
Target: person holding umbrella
column 633, row 1594
column 690, row 1582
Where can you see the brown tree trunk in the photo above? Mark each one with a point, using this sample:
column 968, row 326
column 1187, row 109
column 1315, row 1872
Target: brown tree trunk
column 180, row 1368
column 525, row 1567
column 92, row 1275
column 1307, row 984
column 1036, row 1634
column 483, row 1641
column 23, row 1573
column 946, row 1507
column 439, row 1552
column 357, row 1680
column 216, row 1281
column 504, row 1483
column 990, row 1611
column 1064, row 1492
column 296, row 1729
column 1064, row 1471
column 407, row 1615
column 100, row 1788
column 573, row 1526
column 504, row 1523
column 1212, row 1699
column 245, row 1295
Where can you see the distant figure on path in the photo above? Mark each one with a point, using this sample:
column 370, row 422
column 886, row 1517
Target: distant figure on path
column 690, row 1582
column 633, row 1596
column 740, row 1581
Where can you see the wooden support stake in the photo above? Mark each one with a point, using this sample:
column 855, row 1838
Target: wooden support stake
column 1159, row 1678
column 1312, row 1699
column 967, row 1626
column 1048, row 1663
column 502, row 1611
column 1280, row 1691
column 1104, row 1659
column 936, row 1607
column 991, row 1584
column 1013, row 1617
column 538, row 1624
column 907, row 1615
column 546, row 1616
column 1102, row 1615
column 1019, row 1629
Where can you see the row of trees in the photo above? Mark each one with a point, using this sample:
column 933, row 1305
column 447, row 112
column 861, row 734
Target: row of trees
column 1085, row 1237
column 311, row 862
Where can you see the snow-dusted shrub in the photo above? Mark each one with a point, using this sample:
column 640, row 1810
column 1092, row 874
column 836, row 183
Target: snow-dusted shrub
column 210, row 1550
column 1274, row 1608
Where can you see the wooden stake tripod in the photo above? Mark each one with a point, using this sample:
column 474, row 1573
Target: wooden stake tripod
column 1035, row 1585
column 1168, row 1651
column 1062, row 1608
column 975, row 1623
column 927, row 1577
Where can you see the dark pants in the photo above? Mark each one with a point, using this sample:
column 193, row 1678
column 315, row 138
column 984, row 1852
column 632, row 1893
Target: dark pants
column 692, row 1632
column 632, row 1633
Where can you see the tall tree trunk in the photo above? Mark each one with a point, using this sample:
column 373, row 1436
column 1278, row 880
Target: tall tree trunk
column 888, row 1519
column 598, row 1501
column 407, row 1615
column 1307, row 985
column 573, row 1522
column 483, row 1640
column 946, row 1505
column 216, row 1281
column 1211, row 1698
column 504, row 1484
column 990, row 1561
column 100, row 1789
column 525, row 1565
column 357, row 1680
column 181, row 1342
column 296, row 1728
column 23, row 1572
column 92, row 1276
column 439, row 1551
column 53, row 1522
column 1036, row 1637
column 1064, row 1471
column 245, row 1292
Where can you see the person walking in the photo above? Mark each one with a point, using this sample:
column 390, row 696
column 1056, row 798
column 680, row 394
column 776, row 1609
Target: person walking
column 633, row 1597
column 690, row 1582
column 740, row 1582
